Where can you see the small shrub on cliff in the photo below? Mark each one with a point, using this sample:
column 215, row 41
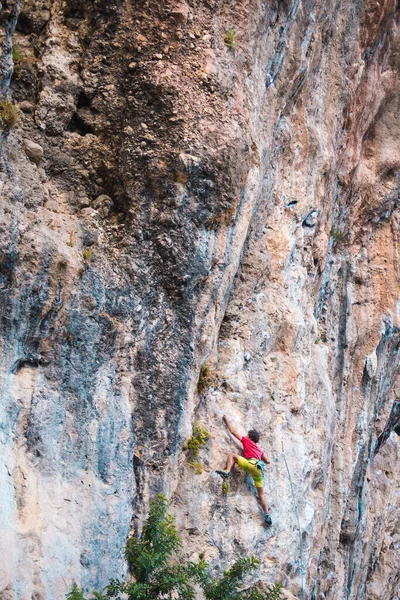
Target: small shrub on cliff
column 21, row 59
column 149, row 558
column 75, row 593
column 197, row 466
column 274, row 592
column 228, row 586
column 230, row 38
column 87, row 254
column 207, row 378
column 16, row 54
column 198, row 438
column 159, row 574
column 17, row 60
column 8, row 113
column 337, row 234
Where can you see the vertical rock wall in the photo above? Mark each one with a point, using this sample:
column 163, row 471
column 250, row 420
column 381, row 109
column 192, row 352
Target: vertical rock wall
column 169, row 198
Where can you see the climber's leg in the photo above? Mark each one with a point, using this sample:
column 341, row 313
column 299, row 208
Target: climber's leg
column 267, row 518
column 261, row 497
column 232, row 459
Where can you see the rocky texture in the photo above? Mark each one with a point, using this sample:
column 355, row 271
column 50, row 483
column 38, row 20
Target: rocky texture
column 198, row 202
column 33, row 151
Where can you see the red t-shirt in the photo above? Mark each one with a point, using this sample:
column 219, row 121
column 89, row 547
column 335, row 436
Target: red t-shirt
column 250, row 449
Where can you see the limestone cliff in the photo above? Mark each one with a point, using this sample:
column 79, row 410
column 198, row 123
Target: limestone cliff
column 203, row 182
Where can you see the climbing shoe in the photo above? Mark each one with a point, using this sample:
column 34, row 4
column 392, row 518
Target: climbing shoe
column 267, row 520
column 223, row 474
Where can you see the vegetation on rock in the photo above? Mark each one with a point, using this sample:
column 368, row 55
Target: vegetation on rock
column 8, row 113
column 87, row 254
column 17, row 60
column 207, row 378
column 230, row 38
column 337, row 234
column 75, row 593
column 159, row 576
column 198, row 438
column 228, row 587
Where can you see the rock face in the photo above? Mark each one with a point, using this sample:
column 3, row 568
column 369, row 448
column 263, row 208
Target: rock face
column 33, row 151
column 200, row 199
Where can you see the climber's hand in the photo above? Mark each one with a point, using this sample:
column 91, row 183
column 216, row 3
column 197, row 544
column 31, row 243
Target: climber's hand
column 265, row 459
column 231, row 429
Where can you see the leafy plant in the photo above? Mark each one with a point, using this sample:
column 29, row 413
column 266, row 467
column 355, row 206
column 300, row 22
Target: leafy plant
column 322, row 336
column 16, row 54
column 21, row 58
column 8, row 113
column 225, row 488
column 198, row 438
column 228, row 586
column 87, row 254
column 230, row 38
column 17, row 60
column 270, row 593
column 149, row 559
column 161, row 575
column 198, row 467
column 337, row 234
column 274, row 592
column 75, row 593
column 207, row 378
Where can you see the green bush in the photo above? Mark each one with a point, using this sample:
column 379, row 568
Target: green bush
column 207, row 378
column 274, row 592
column 226, row 587
column 159, row 574
column 149, row 559
column 17, row 60
column 198, row 438
column 8, row 113
column 197, row 466
column 16, row 55
column 87, row 254
column 75, row 593
column 230, row 38
column 21, row 58
column 337, row 234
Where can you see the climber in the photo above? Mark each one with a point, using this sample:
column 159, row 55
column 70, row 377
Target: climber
column 253, row 455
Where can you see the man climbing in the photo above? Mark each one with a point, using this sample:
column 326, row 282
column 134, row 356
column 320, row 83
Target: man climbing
column 253, row 455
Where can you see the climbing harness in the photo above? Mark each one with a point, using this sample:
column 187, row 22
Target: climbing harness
column 257, row 463
column 260, row 465
column 300, row 559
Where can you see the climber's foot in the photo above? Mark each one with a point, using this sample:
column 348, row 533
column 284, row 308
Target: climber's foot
column 267, row 520
column 224, row 474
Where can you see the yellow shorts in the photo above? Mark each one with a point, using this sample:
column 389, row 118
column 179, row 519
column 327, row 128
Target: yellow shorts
column 253, row 470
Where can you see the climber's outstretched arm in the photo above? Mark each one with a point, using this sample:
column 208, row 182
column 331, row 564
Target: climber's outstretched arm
column 231, row 430
column 265, row 459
